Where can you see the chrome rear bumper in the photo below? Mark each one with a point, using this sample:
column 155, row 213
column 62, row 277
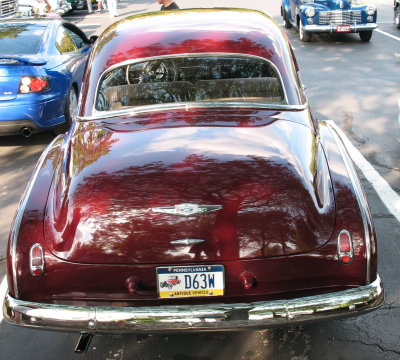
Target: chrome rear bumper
column 172, row 318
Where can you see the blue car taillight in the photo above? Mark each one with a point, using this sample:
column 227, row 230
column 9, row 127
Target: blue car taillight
column 33, row 84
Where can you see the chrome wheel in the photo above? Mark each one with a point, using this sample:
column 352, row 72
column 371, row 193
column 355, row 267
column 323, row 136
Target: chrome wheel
column 70, row 112
column 72, row 107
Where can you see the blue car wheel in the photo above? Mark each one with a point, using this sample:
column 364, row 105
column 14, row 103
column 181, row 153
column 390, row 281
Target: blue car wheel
column 365, row 35
column 304, row 35
column 285, row 16
column 397, row 17
column 71, row 107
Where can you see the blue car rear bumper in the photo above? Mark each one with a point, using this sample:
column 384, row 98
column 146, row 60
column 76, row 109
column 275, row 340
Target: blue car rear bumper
column 38, row 116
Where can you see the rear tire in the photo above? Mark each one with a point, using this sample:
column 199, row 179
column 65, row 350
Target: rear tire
column 365, row 35
column 71, row 109
column 288, row 24
column 397, row 17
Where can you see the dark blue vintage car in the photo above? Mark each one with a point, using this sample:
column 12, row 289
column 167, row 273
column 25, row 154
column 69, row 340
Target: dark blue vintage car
column 329, row 16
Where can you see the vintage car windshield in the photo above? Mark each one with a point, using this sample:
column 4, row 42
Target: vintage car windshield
column 190, row 79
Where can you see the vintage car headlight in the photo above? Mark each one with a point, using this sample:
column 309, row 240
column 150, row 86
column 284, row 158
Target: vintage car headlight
column 310, row 12
column 370, row 10
column 370, row 18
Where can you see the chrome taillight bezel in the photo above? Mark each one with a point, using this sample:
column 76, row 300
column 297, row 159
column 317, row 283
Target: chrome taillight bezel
column 346, row 257
column 37, row 270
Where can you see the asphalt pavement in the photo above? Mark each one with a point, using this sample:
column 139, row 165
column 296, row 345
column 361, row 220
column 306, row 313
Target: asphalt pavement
column 353, row 83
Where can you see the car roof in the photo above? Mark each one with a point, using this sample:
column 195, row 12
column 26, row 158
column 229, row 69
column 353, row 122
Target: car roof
column 193, row 31
column 153, row 34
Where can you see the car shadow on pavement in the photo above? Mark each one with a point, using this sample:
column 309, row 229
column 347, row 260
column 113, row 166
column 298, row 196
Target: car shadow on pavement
column 19, row 140
column 339, row 339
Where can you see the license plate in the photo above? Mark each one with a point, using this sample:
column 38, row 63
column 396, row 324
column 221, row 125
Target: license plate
column 343, row 28
column 190, row 281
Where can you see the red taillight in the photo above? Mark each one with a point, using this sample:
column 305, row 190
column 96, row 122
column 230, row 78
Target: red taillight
column 345, row 247
column 33, row 84
column 37, row 260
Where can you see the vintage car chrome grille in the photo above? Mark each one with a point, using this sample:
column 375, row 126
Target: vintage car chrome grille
column 339, row 17
column 7, row 7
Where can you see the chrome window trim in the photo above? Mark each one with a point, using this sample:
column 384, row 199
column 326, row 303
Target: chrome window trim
column 101, row 114
column 188, row 106
column 20, row 211
column 361, row 199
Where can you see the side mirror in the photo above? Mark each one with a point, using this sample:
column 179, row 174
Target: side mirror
column 93, row 39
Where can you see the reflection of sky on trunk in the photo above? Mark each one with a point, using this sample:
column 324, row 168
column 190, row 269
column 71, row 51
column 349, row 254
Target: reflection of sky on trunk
column 263, row 183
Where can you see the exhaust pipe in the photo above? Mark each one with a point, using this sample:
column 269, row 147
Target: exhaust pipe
column 26, row 132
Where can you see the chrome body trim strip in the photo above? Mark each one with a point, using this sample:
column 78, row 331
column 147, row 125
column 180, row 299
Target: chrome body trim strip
column 217, row 317
column 20, row 211
column 332, row 28
column 361, row 199
column 188, row 106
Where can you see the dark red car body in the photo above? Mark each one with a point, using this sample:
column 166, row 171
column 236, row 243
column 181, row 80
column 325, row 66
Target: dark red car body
column 89, row 203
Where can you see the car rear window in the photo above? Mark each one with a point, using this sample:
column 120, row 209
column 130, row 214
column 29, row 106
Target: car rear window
column 190, row 79
column 17, row 39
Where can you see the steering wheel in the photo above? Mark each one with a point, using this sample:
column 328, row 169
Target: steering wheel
column 156, row 71
column 152, row 71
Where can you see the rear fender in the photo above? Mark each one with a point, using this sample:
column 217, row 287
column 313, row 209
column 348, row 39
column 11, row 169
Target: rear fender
column 27, row 227
column 352, row 210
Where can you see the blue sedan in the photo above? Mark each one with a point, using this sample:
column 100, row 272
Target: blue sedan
column 41, row 67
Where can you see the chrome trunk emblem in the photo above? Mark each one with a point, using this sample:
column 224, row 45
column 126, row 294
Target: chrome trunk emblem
column 186, row 209
column 187, row 241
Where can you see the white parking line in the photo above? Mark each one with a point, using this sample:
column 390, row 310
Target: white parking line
column 87, row 16
column 3, row 290
column 387, row 195
column 89, row 25
column 387, row 34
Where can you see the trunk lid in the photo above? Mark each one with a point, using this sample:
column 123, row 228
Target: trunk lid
column 144, row 196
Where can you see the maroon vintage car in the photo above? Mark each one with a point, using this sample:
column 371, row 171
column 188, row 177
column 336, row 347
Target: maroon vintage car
column 195, row 191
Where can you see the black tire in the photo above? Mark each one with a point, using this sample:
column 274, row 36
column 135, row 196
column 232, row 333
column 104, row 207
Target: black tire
column 365, row 35
column 304, row 35
column 288, row 24
column 71, row 107
column 397, row 17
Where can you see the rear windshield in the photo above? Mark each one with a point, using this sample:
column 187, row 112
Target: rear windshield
column 190, row 79
column 18, row 39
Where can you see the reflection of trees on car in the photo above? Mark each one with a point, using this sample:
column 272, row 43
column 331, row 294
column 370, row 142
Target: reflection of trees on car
column 11, row 31
column 90, row 146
